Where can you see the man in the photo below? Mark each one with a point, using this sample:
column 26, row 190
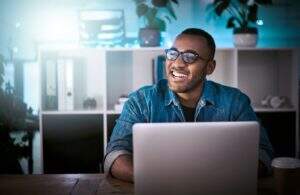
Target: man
column 186, row 95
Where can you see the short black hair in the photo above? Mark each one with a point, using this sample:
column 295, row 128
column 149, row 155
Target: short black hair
column 199, row 32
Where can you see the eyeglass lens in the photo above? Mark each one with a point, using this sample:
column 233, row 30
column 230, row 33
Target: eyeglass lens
column 187, row 57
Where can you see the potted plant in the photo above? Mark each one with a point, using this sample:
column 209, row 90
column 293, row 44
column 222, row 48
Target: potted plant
column 243, row 16
column 13, row 117
column 154, row 15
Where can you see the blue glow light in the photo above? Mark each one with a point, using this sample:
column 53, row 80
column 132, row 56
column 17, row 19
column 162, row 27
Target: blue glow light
column 260, row 22
column 17, row 25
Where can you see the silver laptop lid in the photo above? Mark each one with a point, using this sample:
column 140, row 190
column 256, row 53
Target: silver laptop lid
column 196, row 158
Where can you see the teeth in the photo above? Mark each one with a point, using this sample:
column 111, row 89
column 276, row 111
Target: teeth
column 177, row 74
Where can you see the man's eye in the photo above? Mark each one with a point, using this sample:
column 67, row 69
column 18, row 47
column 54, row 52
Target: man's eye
column 172, row 54
column 189, row 57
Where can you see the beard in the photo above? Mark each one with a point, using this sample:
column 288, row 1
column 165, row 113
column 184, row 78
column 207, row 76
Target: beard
column 188, row 86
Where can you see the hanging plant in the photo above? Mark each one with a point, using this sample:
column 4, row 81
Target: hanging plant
column 156, row 13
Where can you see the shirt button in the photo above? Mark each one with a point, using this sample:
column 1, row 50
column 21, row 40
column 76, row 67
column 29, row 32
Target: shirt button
column 202, row 103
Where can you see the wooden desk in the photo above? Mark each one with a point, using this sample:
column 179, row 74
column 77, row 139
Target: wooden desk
column 81, row 184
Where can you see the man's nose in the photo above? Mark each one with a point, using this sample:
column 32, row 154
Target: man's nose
column 179, row 63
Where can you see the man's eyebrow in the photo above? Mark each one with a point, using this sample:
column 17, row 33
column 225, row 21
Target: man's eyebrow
column 187, row 50
column 174, row 48
column 191, row 51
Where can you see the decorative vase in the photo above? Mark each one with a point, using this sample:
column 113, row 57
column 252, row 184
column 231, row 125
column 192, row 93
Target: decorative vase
column 245, row 37
column 149, row 37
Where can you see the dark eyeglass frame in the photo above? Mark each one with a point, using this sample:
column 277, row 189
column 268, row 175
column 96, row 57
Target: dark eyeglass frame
column 197, row 56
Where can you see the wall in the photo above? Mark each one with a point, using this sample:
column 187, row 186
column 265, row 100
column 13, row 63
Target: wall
column 26, row 23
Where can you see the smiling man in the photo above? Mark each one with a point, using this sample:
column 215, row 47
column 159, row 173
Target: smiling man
column 186, row 96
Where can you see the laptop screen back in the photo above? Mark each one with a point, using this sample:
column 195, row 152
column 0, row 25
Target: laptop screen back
column 196, row 158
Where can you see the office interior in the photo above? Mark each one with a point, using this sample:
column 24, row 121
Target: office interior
column 64, row 81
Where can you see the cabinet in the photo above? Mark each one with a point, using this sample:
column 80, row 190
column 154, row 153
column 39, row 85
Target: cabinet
column 89, row 81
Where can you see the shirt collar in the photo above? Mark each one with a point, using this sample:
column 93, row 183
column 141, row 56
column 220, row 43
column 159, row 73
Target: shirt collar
column 207, row 97
column 170, row 97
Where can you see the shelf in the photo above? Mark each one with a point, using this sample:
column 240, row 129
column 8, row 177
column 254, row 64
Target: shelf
column 136, row 49
column 73, row 112
column 106, row 74
column 113, row 112
column 263, row 48
column 262, row 109
column 268, row 72
column 81, row 112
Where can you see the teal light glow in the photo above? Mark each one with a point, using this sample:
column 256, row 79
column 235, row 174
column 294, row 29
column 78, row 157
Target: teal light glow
column 260, row 22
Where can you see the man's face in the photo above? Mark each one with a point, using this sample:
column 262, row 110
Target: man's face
column 184, row 77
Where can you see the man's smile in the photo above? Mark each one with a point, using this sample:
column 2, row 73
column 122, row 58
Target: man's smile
column 179, row 75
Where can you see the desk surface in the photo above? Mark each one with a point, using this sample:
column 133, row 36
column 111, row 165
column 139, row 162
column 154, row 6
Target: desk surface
column 82, row 184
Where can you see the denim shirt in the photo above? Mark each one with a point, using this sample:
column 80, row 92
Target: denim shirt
column 157, row 103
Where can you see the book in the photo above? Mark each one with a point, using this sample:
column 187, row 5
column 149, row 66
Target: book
column 159, row 71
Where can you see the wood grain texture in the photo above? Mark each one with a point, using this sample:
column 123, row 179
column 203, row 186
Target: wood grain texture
column 86, row 184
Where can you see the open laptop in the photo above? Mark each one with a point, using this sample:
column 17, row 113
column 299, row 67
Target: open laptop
column 209, row 158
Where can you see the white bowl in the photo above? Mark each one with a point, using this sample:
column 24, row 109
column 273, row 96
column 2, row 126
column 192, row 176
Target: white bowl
column 122, row 100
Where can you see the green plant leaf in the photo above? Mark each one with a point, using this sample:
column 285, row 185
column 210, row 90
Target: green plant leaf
column 142, row 9
column 220, row 6
column 168, row 18
column 175, row 1
column 156, row 15
column 25, row 138
column 264, row 2
column 1, row 64
column 1, row 70
column 171, row 11
column 160, row 3
column 230, row 22
column 252, row 14
column 159, row 24
column 244, row 2
column 151, row 15
column 139, row 1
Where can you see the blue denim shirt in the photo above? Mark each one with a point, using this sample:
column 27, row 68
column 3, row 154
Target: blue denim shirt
column 157, row 103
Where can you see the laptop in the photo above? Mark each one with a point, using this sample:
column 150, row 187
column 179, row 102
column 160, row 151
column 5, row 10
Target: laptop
column 210, row 158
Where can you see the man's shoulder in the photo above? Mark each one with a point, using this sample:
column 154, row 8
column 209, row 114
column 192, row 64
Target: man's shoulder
column 225, row 90
column 230, row 99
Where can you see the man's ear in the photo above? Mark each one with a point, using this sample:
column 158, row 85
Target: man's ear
column 211, row 65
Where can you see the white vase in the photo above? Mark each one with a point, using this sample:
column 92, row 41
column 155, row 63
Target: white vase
column 245, row 38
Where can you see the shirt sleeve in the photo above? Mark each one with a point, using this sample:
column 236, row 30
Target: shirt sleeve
column 111, row 157
column 121, row 138
column 244, row 112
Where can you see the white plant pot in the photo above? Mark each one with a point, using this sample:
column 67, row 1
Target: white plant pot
column 246, row 37
column 245, row 40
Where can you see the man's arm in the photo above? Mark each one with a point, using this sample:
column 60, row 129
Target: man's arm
column 118, row 160
column 122, row 168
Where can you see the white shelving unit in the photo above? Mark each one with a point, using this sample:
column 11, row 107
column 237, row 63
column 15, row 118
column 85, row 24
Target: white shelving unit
column 107, row 73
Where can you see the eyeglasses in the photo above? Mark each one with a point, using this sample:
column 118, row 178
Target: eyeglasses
column 188, row 57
